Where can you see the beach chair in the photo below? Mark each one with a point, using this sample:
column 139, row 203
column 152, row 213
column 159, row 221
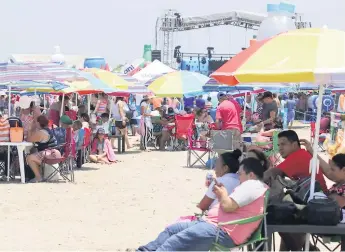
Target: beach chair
column 87, row 144
column 64, row 165
column 272, row 153
column 193, row 150
column 182, row 124
column 321, row 138
column 257, row 239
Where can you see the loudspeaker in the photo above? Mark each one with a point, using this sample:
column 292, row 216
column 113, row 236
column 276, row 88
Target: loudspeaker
column 156, row 55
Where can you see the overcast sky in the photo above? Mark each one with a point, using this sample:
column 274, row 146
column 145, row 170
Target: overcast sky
column 118, row 29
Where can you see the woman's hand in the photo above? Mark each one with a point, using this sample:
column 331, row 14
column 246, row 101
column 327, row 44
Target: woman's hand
column 220, row 190
column 307, row 145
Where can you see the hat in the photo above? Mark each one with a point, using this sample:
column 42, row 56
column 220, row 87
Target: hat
column 24, row 102
column 101, row 131
column 171, row 111
column 267, row 94
column 220, row 95
column 66, row 120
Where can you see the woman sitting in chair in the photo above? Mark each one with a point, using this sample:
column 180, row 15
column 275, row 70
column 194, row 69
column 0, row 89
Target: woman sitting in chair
column 44, row 139
column 101, row 151
column 226, row 169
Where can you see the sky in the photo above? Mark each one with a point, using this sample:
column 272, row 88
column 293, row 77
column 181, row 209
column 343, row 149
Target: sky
column 118, row 30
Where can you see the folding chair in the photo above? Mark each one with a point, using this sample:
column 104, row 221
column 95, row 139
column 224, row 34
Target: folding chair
column 71, row 114
column 321, row 138
column 193, row 150
column 272, row 153
column 87, row 144
column 257, row 239
column 182, row 124
column 64, row 164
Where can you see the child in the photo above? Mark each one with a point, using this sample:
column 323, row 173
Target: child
column 101, row 151
column 79, row 140
column 168, row 121
column 105, row 122
column 85, row 119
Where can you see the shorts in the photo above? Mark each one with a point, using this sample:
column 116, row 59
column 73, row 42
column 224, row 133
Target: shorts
column 118, row 124
column 133, row 122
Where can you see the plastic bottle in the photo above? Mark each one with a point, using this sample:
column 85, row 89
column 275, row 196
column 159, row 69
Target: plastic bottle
column 279, row 20
column 209, row 179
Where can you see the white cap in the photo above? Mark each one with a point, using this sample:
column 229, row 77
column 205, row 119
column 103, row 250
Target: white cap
column 24, row 102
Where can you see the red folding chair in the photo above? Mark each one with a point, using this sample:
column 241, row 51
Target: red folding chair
column 65, row 163
column 321, row 138
column 182, row 124
column 193, row 150
column 87, row 144
column 71, row 114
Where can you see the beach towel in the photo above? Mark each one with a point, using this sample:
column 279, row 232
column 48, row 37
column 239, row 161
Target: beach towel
column 107, row 149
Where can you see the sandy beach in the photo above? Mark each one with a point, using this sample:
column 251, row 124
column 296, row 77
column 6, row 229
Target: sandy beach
column 109, row 208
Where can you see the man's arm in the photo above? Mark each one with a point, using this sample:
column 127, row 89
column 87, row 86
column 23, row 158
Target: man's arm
column 228, row 204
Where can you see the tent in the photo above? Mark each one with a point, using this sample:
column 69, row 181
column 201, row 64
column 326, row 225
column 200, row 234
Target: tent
column 152, row 70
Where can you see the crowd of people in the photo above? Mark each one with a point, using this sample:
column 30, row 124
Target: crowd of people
column 242, row 177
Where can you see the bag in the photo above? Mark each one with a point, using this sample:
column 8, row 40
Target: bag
column 281, row 213
column 300, row 191
column 323, row 212
column 277, row 186
column 16, row 134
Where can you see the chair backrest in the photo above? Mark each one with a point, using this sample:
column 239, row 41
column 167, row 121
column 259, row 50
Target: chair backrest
column 60, row 135
column 275, row 141
column 87, row 137
column 312, row 130
column 70, row 146
column 183, row 123
column 71, row 114
column 221, row 140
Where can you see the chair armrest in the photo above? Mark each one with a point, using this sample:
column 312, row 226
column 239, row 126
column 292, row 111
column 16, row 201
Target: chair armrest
column 243, row 221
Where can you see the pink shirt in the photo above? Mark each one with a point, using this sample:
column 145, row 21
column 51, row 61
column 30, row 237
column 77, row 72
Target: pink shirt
column 229, row 114
column 250, row 197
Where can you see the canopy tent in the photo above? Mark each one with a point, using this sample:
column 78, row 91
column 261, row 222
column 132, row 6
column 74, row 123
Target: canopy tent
column 156, row 68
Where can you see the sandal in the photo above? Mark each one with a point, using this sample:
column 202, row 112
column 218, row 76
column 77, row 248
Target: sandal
column 34, row 180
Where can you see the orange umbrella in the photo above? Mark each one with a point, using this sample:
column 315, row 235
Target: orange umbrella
column 225, row 74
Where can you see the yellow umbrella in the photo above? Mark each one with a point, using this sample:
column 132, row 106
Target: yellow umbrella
column 296, row 56
column 109, row 78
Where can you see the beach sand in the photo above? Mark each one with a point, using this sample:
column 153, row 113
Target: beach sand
column 109, row 208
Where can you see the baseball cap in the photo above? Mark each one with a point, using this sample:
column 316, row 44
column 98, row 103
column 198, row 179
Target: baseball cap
column 221, row 95
column 101, row 131
column 66, row 120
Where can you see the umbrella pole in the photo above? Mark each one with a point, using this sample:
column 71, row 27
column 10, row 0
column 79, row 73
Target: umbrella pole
column 244, row 112
column 9, row 100
column 62, row 105
column 89, row 104
column 313, row 163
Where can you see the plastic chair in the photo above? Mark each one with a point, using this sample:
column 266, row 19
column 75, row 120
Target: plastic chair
column 258, row 238
column 193, row 150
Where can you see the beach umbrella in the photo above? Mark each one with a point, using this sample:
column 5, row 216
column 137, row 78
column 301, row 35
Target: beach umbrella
column 109, row 78
column 178, row 84
column 314, row 55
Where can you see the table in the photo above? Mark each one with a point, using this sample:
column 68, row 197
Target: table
column 121, row 145
column 20, row 147
column 307, row 229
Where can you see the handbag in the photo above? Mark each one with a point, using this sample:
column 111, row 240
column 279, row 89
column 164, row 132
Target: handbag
column 16, row 134
column 323, row 212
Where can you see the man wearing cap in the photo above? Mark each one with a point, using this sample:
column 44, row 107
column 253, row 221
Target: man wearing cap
column 269, row 110
column 228, row 118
